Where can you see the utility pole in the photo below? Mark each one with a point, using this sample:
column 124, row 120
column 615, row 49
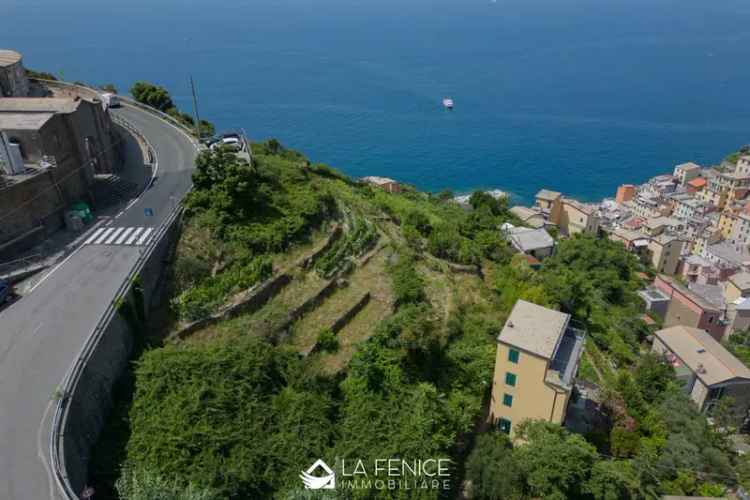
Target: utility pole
column 195, row 110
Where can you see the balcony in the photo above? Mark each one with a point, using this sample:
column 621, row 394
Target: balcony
column 562, row 368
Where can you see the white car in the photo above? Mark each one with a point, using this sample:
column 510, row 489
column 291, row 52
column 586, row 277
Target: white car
column 232, row 143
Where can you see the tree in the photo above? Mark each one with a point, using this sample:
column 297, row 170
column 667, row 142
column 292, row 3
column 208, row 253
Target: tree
column 152, row 95
column 109, row 87
column 556, row 463
column 613, row 480
column 653, row 375
column 492, row 470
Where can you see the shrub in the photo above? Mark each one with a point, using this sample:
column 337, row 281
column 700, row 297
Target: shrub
column 328, row 341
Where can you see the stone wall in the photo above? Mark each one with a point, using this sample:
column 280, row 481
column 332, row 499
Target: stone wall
column 253, row 300
column 343, row 320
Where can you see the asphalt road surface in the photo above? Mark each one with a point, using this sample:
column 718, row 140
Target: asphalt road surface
column 41, row 334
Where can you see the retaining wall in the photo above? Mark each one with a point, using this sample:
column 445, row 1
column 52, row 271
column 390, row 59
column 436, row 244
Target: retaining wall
column 90, row 401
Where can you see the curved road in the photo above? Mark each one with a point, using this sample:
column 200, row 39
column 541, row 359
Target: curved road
column 42, row 334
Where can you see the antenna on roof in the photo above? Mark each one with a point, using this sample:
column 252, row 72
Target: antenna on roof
column 510, row 324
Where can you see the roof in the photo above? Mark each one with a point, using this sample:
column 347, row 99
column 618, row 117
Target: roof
column 373, row 179
column 698, row 182
column 581, row 207
column 628, row 235
column 525, row 213
column 741, row 280
column 546, row 194
column 528, row 239
column 705, row 357
column 23, row 121
column 690, row 294
column 687, row 166
column 39, row 104
column 534, row 328
column 9, row 57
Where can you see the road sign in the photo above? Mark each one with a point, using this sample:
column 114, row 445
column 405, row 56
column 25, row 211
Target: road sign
column 88, row 493
column 148, row 212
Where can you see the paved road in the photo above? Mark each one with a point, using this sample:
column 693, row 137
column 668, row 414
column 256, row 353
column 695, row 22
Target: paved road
column 41, row 335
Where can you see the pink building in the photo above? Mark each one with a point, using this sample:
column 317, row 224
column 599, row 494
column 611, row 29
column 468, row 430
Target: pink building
column 686, row 308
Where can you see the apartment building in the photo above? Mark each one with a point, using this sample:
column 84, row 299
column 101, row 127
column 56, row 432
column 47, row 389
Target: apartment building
column 535, row 366
column 687, row 308
column 665, row 252
column 686, row 172
column 707, row 370
column 577, row 217
column 625, row 192
column 550, row 204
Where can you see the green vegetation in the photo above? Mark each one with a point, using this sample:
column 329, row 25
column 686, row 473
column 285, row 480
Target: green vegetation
column 237, row 410
column 41, row 75
column 158, row 98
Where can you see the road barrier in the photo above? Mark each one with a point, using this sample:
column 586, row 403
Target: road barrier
column 71, row 380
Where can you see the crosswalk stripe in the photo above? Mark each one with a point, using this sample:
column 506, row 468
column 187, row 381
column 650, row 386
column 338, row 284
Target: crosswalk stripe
column 145, row 236
column 94, row 236
column 114, row 235
column 124, row 235
column 132, row 239
column 104, row 235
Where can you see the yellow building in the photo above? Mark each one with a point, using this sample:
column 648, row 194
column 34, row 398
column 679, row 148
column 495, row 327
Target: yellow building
column 578, row 218
column 738, row 286
column 550, row 203
column 727, row 220
column 665, row 253
column 535, row 365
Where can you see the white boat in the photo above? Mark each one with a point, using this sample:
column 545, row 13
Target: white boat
column 448, row 103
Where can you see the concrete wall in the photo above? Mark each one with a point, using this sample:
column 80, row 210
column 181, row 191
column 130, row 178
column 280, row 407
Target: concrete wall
column 91, row 401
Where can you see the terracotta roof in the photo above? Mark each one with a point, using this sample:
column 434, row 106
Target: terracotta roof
column 698, row 182
column 707, row 358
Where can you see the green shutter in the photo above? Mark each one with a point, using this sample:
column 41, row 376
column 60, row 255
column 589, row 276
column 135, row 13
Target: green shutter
column 504, row 425
column 513, row 356
column 507, row 400
column 510, row 379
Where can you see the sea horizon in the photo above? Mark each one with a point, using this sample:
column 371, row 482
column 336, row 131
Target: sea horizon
column 577, row 97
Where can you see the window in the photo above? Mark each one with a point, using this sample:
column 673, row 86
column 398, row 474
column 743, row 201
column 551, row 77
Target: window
column 513, row 356
column 510, row 379
column 504, row 425
column 507, row 400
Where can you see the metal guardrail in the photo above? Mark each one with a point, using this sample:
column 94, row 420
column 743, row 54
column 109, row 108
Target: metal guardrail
column 70, row 381
column 132, row 102
column 133, row 130
column 20, row 264
column 72, row 377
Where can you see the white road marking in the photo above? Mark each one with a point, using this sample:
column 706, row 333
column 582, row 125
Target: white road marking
column 132, row 239
column 145, row 236
column 114, row 236
column 104, row 236
column 123, row 236
column 94, row 236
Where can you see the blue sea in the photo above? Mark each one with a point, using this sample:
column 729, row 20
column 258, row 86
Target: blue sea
column 573, row 95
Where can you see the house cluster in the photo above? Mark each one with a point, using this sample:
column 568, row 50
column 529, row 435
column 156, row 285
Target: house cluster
column 693, row 228
column 52, row 144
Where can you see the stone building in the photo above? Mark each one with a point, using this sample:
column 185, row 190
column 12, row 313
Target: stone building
column 13, row 81
column 50, row 150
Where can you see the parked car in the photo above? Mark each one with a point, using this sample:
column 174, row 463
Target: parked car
column 231, row 141
column 5, row 291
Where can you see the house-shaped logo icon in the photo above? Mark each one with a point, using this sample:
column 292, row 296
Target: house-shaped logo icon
column 325, row 482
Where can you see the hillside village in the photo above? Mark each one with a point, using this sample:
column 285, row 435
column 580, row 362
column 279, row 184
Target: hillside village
column 365, row 318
